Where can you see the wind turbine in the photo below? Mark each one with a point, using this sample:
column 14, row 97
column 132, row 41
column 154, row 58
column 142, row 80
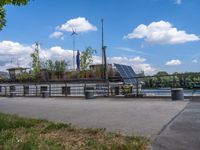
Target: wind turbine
column 73, row 34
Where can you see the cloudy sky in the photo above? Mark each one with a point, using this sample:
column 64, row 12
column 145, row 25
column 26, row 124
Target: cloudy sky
column 150, row 35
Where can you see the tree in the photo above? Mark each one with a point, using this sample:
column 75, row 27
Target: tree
column 36, row 63
column 3, row 12
column 162, row 73
column 86, row 58
column 50, row 65
column 60, row 67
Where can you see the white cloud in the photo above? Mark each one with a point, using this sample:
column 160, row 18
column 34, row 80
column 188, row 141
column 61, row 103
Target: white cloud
column 127, row 49
column 178, row 2
column 195, row 61
column 57, row 34
column 138, row 63
column 138, row 59
column 161, row 33
column 79, row 24
column 13, row 48
column 174, row 62
column 12, row 53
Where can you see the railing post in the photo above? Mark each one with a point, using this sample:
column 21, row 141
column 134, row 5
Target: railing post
column 108, row 89
column 66, row 89
column 137, row 90
column 24, row 90
column 49, row 89
column 5, row 91
column 36, row 90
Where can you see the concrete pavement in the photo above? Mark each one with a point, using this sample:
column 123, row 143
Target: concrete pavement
column 128, row 116
column 182, row 133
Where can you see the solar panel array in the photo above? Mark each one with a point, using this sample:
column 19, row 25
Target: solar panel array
column 127, row 73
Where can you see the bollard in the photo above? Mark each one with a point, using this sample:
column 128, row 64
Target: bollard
column 177, row 94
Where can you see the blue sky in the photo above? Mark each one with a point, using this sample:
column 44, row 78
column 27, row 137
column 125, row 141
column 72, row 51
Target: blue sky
column 150, row 35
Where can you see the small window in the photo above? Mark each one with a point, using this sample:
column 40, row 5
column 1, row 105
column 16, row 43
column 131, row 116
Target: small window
column 0, row 89
column 26, row 89
column 12, row 88
column 43, row 88
column 66, row 90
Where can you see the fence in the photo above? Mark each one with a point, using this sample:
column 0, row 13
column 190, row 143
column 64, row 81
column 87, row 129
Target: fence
column 105, row 89
column 55, row 89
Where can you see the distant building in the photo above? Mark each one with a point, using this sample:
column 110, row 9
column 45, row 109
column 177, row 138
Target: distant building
column 13, row 72
column 3, row 74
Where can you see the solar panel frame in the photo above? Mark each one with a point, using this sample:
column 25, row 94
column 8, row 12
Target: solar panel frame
column 127, row 73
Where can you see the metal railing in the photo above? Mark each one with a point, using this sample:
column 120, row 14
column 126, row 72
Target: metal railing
column 76, row 89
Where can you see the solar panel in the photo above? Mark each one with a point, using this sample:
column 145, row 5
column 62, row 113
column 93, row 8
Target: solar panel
column 127, row 73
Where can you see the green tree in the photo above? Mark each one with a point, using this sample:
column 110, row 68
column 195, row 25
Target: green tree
column 3, row 12
column 162, row 73
column 60, row 67
column 86, row 58
column 50, row 65
column 36, row 64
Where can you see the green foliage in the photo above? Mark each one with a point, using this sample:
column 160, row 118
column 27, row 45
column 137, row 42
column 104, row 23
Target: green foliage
column 13, row 2
column 57, row 67
column 24, row 77
column 60, row 67
column 36, row 63
column 50, row 65
column 162, row 79
column 126, row 90
column 161, row 73
column 2, row 79
column 2, row 9
column 2, row 17
column 86, row 58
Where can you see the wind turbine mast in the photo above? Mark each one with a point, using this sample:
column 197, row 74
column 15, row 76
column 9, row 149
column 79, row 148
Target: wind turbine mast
column 73, row 35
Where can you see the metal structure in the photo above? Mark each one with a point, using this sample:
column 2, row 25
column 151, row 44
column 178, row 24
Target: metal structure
column 127, row 73
column 73, row 35
column 104, row 59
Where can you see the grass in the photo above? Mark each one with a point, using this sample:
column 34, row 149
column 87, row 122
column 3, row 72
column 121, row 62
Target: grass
column 17, row 133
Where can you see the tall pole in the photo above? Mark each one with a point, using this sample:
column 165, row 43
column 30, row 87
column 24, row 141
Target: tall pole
column 102, row 35
column 104, row 60
column 73, row 35
column 73, row 51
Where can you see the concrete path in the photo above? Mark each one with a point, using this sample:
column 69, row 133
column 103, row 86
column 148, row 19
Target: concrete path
column 127, row 116
column 183, row 133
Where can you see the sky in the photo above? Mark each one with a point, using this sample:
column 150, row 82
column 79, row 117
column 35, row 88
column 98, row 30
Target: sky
column 149, row 35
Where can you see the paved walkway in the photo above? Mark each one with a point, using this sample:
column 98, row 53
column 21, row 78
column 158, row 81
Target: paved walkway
column 127, row 116
column 183, row 133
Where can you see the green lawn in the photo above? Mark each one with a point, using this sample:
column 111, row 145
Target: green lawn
column 17, row 133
